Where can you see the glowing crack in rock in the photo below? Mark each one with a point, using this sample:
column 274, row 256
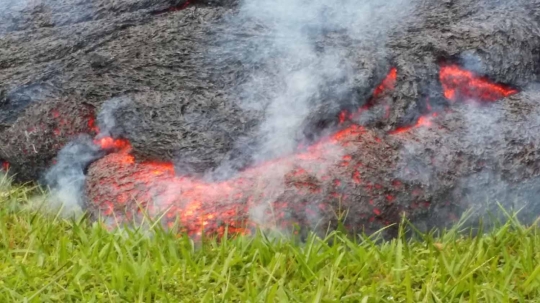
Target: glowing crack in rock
column 119, row 184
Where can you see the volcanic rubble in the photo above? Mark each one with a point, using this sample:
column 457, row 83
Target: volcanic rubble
column 444, row 120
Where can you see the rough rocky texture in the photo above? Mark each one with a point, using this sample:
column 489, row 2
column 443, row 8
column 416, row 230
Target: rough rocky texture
column 116, row 51
column 493, row 38
column 126, row 48
column 188, row 71
column 31, row 143
column 196, row 130
column 470, row 156
column 102, row 49
column 31, row 15
column 478, row 156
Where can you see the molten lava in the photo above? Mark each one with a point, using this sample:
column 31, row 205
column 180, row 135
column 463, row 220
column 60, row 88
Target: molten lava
column 422, row 121
column 108, row 143
column 296, row 190
column 206, row 207
column 459, row 84
column 388, row 84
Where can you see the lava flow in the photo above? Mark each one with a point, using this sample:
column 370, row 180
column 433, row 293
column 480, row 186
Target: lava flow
column 307, row 183
column 301, row 190
column 422, row 121
column 118, row 184
column 388, row 84
column 460, row 84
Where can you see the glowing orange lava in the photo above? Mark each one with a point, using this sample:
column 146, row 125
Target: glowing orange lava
column 192, row 203
column 459, row 84
column 92, row 125
column 388, row 84
column 200, row 207
column 107, row 143
column 424, row 121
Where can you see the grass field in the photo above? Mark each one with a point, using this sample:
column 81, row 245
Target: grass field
column 44, row 258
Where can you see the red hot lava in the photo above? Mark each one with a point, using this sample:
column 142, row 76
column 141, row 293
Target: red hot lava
column 297, row 190
column 460, row 84
column 108, row 143
column 272, row 190
column 388, row 84
column 422, row 121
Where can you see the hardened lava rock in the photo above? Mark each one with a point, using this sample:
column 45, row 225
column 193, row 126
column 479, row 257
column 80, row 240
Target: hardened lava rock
column 119, row 47
column 497, row 39
column 196, row 130
column 474, row 155
column 304, row 190
column 98, row 50
column 26, row 15
column 33, row 141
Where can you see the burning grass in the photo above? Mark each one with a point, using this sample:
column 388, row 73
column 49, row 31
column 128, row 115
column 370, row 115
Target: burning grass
column 46, row 258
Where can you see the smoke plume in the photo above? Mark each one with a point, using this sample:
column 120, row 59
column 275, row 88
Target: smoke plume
column 307, row 54
column 66, row 178
column 303, row 61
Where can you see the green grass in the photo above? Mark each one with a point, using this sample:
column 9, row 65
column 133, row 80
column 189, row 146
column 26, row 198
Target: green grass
column 45, row 258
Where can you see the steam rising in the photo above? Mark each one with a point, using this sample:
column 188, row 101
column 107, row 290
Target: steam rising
column 302, row 50
column 66, row 179
column 305, row 66
column 304, row 63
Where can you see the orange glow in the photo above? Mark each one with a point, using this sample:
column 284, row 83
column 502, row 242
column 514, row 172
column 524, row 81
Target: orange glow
column 388, row 84
column 193, row 204
column 92, row 125
column 343, row 116
column 459, row 84
column 110, row 143
column 423, row 121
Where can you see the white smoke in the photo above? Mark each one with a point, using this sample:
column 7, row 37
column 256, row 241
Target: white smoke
column 106, row 120
column 303, row 63
column 66, row 179
column 305, row 55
